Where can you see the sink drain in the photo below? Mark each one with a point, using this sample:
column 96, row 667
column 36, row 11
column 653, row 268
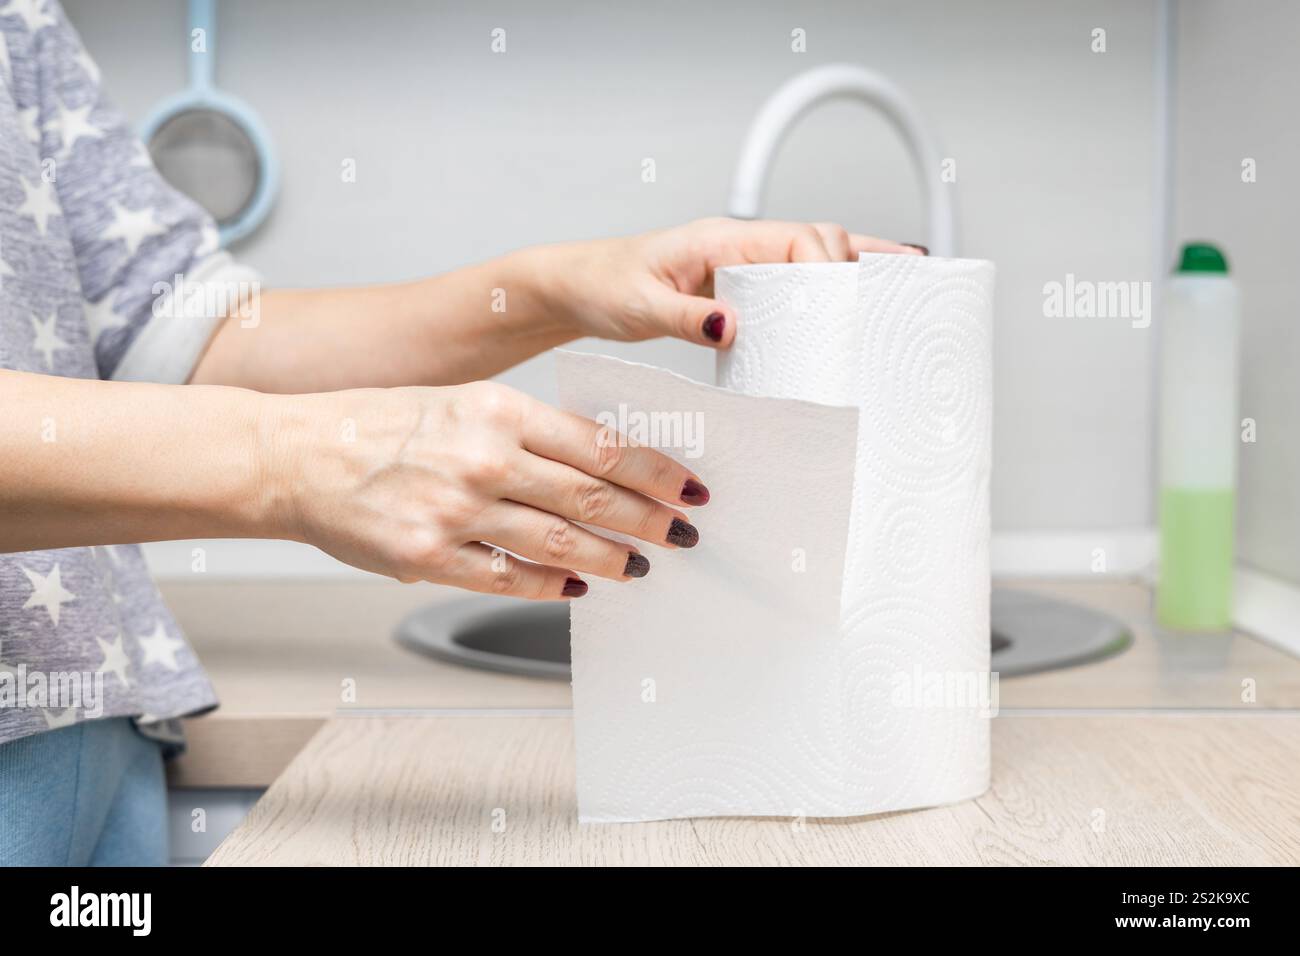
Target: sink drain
column 495, row 634
column 1033, row 633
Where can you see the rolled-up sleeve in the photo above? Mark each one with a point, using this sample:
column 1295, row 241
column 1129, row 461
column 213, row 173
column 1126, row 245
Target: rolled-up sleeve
column 154, row 281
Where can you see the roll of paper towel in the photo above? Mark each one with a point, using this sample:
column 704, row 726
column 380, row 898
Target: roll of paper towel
column 731, row 681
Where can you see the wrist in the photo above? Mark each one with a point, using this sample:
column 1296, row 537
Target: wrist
column 278, row 425
column 536, row 284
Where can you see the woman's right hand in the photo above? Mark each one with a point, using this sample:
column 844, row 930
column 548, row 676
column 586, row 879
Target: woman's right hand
column 436, row 484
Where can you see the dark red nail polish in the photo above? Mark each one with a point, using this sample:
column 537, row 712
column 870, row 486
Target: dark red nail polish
column 714, row 326
column 638, row 565
column 682, row 534
column 916, row 245
column 574, row 587
column 694, row 493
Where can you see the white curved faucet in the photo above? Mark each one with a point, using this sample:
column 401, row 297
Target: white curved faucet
column 834, row 81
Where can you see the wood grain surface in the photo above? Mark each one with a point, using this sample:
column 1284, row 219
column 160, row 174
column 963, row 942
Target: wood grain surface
column 1106, row 789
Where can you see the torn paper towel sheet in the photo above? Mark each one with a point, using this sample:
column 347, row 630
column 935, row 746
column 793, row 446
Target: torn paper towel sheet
column 725, row 685
column 710, row 687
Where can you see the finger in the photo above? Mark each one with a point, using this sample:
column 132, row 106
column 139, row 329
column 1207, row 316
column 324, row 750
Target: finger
column 807, row 245
column 860, row 243
column 477, row 567
column 767, row 240
column 694, row 318
column 561, row 490
column 836, row 239
column 558, row 542
column 773, row 241
column 603, row 452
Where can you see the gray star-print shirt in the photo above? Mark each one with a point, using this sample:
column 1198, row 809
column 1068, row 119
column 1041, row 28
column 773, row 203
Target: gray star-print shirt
column 92, row 241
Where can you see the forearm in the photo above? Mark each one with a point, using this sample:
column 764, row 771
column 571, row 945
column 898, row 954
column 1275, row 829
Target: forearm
column 88, row 462
column 462, row 326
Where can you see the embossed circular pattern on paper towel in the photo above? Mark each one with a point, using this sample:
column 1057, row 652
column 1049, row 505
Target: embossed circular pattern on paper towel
column 792, row 320
column 907, row 535
column 913, row 699
column 923, row 373
column 915, row 356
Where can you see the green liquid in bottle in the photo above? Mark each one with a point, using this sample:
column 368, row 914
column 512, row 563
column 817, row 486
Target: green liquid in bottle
column 1196, row 552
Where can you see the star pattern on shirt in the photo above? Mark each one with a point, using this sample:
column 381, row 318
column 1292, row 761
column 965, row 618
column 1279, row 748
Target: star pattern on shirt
column 33, row 13
column 209, row 241
column 48, row 592
column 101, row 316
column 115, row 660
column 39, row 203
column 72, row 125
column 132, row 227
column 160, row 648
column 63, row 243
column 90, row 67
column 141, row 159
column 46, row 338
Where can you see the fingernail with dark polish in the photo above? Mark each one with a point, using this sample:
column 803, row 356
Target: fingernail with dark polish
column 682, row 534
column 638, row 565
column 714, row 326
column 694, row 493
column 916, row 245
column 574, row 587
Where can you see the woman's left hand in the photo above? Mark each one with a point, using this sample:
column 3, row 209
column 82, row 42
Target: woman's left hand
column 661, row 283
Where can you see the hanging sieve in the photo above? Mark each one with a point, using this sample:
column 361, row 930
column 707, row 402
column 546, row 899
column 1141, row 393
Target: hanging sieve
column 210, row 145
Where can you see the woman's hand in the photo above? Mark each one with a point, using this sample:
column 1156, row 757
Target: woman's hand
column 416, row 483
column 661, row 283
column 436, row 484
column 474, row 322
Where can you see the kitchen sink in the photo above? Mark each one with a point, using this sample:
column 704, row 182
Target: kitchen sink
column 1030, row 633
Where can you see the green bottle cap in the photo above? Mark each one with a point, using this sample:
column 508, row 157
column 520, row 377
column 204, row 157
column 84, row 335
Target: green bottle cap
column 1202, row 257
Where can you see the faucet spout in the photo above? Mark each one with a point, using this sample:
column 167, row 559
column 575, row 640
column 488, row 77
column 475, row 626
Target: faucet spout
column 843, row 81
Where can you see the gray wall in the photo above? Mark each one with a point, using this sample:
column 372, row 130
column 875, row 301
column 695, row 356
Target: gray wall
column 462, row 154
column 1237, row 100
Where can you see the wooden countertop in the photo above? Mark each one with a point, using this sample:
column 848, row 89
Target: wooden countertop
column 1103, row 789
column 279, row 654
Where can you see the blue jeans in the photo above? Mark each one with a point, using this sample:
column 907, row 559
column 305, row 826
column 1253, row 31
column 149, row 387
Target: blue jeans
column 92, row 794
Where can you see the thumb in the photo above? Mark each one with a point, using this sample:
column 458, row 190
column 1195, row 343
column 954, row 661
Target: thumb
column 697, row 319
